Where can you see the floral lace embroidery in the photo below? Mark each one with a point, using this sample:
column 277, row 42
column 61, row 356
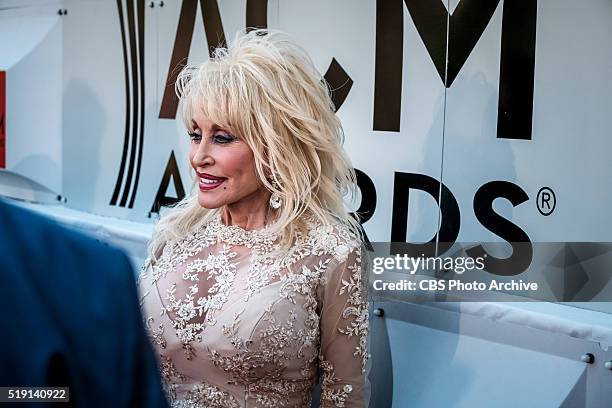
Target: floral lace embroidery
column 358, row 309
column 261, row 369
column 204, row 395
column 275, row 392
column 170, row 377
column 261, row 373
column 305, row 284
column 176, row 253
column 187, row 308
column 231, row 332
column 169, row 371
column 262, row 240
column 328, row 393
column 261, row 274
column 156, row 335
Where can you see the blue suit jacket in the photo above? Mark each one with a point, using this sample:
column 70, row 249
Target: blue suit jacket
column 69, row 316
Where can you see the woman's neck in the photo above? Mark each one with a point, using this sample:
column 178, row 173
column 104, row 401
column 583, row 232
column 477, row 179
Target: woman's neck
column 251, row 218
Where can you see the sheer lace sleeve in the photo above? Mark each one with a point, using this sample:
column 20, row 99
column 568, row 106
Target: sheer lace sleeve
column 343, row 359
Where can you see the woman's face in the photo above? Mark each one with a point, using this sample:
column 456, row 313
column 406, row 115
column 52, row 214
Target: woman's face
column 225, row 167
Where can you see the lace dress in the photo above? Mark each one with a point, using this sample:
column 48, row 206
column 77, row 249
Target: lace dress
column 236, row 326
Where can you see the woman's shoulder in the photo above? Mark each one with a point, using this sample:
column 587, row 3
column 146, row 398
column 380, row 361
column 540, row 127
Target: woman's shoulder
column 334, row 238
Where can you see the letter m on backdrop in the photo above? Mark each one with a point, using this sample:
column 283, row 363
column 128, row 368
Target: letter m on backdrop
column 453, row 37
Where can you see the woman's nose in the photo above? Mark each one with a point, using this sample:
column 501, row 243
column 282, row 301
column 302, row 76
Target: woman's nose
column 203, row 155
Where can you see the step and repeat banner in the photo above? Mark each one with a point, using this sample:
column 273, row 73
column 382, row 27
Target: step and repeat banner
column 467, row 121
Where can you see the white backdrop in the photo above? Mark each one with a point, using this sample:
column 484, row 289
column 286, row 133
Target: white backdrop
column 116, row 145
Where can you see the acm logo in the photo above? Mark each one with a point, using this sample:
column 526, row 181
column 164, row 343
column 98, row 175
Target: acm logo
column 435, row 25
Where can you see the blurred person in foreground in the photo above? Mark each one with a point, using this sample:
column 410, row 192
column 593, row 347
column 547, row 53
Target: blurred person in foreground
column 253, row 289
column 69, row 317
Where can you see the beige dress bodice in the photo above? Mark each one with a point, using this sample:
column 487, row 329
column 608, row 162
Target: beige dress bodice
column 235, row 324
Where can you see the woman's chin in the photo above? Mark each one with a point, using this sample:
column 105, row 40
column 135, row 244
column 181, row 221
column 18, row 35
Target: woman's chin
column 207, row 203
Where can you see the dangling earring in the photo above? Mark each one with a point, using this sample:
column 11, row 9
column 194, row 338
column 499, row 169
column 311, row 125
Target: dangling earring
column 275, row 200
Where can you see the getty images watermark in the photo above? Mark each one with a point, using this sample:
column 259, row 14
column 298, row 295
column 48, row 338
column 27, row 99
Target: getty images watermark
column 404, row 263
column 491, row 271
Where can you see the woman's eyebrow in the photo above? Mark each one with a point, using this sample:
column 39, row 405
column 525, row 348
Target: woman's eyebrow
column 213, row 127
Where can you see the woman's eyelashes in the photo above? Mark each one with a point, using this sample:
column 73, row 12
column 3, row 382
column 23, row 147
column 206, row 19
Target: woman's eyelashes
column 195, row 137
column 223, row 138
column 219, row 138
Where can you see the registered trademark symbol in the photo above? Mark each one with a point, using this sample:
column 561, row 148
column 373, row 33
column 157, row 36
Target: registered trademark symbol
column 546, row 201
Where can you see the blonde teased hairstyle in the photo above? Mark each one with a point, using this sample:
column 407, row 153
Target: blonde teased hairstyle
column 266, row 88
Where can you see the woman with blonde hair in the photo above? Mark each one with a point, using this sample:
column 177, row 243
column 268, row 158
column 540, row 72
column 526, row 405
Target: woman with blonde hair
column 253, row 289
